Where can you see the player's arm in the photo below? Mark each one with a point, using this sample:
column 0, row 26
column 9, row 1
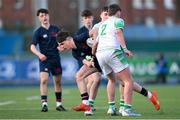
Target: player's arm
column 94, row 46
column 119, row 24
column 94, row 33
column 34, row 50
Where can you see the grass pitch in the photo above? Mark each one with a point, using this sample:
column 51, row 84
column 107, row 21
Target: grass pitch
column 24, row 103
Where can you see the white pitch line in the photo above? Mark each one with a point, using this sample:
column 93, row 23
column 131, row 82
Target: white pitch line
column 33, row 98
column 6, row 103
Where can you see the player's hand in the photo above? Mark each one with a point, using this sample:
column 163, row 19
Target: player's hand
column 128, row 53
column 88, row 63
column 42, row 57
column 60, row 47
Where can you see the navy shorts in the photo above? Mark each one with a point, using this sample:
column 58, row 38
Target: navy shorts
column 51, row 65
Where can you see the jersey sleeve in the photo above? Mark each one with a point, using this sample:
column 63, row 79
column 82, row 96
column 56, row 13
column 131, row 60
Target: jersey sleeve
column 96, row 26
column 35, row 39
column 81, row 37
column 119, row 23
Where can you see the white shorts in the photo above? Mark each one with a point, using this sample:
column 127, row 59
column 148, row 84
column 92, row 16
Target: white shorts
column 112, row 60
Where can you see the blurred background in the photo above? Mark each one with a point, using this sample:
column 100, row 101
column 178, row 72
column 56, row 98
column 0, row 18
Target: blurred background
column 152, row 32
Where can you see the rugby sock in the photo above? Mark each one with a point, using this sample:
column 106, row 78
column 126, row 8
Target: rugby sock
column 146, row 93
column 44, row 99
column 91, row 102
column 111, row 104
column 149, row 94
column 85, row 98
column 127, row 106
column 121, row 103
column 58, row 98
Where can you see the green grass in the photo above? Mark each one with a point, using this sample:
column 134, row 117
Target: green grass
column 30, row 109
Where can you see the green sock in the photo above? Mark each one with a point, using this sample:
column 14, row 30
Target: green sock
column 121, row 103
column 127, row 106
column 111, row 104
column 91, row 102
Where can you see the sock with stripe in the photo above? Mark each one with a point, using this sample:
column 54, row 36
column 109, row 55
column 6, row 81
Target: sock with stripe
column 127, row 106
column 85, row 98
column 44, row 100
column 121, row 103
column 111, row 104
column 91, row 102
column 58, row 98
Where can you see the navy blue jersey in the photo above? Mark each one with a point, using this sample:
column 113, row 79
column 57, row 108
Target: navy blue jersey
column 82, row 49
column 46, row 39
column 80, row 41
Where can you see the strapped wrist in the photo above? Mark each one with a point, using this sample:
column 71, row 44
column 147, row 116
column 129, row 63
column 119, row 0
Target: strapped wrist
column 125, row 49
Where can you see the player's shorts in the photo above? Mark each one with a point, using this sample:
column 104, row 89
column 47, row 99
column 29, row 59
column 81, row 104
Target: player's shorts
column 112, row 61
column 51, row 65
column 96, row 65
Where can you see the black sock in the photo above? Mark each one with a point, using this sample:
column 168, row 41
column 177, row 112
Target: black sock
column 43, row 98
column 58, row 96
column 85, row 96
column 144, row 92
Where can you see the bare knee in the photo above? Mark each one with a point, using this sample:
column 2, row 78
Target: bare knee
column 44, row 81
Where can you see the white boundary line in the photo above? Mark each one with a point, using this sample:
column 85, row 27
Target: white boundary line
column 7, row 103
column 32, row 98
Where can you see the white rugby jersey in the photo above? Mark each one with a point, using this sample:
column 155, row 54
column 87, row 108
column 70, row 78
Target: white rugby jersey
column 106, row 34
column 97, row 25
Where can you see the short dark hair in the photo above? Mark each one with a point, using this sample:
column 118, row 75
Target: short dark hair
column 42, row 10
column 112, row 9
column 104, row 9
column 86, row 13
column 61, row 36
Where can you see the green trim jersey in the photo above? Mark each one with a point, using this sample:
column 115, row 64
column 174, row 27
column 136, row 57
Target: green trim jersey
column 106, row 34
column 97, row 25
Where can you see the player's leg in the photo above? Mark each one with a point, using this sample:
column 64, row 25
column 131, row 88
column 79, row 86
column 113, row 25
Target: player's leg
column 92, row 76
column 95, row 78
column 88, row 84
column 103, row 60
column 121, row 100
column 43, row 90
column 56, row 71
column 126, row 77
column 58, row 92
column 111, row 94
column 84, row 106
column 151, row 95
